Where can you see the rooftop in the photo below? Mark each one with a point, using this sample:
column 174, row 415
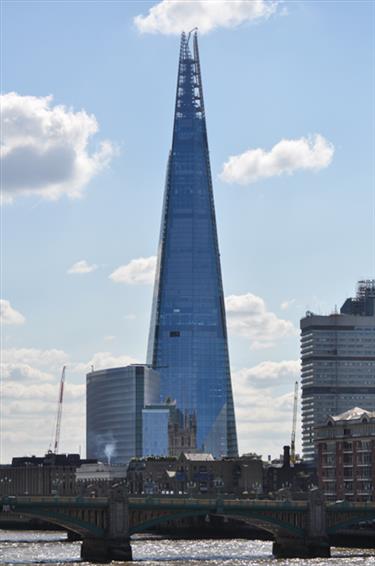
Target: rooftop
column 198, row 457
column 354, row 414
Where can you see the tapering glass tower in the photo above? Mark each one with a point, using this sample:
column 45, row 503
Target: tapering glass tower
column 188, row 337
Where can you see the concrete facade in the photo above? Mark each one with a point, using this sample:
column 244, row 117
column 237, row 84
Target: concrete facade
column 338, row 362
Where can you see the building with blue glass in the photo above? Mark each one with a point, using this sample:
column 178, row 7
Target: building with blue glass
column 115, row 398
column 188, row 337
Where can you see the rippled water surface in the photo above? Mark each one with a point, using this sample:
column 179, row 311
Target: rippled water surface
column 40, row 547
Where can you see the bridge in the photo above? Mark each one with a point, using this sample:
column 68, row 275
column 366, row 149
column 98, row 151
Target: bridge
column 300, row 528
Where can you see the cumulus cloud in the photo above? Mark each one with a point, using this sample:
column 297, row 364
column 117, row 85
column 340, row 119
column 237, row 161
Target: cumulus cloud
column 9, row 315
column 82, row 266
column 44, row 148
column 248, row 316
column 17, row 372
column 287, row 156
column 137, row 271
column 263, row 397
column 172, row 16
column 268, row 374
column 30, row 387
column 102, row 360
column 52, row 359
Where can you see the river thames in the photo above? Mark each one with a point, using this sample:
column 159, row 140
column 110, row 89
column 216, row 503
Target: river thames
column 41, row 547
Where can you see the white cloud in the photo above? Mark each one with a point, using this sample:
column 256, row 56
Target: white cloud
column 172, row 16
column 141, row 270
column 287, row 156
column 285, row 305
column 45, row 148
column 30, row 386
column 267, row 374
column 9, row 315
column 248, row 316
column 17, row 372
column 103, row 360
column 45, row 359
column 263, row 398
column 82, row 266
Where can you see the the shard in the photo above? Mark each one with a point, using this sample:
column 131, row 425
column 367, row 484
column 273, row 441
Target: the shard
column 188, row 336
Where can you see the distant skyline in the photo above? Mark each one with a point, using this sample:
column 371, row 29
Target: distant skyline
column 88, row 101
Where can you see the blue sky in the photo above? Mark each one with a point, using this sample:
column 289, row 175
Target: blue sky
column 295, row 220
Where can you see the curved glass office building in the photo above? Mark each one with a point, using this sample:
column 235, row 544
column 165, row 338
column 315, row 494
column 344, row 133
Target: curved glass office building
column 115, row 398
column 188, row 336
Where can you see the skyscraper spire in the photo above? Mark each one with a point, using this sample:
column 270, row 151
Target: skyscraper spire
column 188, row 337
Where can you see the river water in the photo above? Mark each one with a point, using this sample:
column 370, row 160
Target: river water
column 52, row 548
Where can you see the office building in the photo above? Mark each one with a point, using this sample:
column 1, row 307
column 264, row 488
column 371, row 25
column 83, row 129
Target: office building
column 114, row 401
column 188, row 336
column 346, row 456
column 338, row 362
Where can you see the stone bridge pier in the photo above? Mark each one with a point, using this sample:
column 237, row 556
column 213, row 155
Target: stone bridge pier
column 314, row 544
column 115, row 545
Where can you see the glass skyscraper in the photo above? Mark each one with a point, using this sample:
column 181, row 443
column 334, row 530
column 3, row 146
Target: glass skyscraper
column 188, row 337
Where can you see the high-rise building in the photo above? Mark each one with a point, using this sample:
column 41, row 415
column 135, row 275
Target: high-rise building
column 188, row 336
column 338, row 362
column 115, row 398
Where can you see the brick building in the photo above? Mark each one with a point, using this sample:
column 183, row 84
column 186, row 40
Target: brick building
column 52, row 474
column 196, row 473
column 345, row 446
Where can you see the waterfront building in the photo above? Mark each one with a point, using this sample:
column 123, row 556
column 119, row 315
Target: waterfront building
column 188, row 336
column 290, row 477
column 196, row 473
column 338, row 362
column 346, row 456
column 115, row 399
column 96, row 479
column 52, row 474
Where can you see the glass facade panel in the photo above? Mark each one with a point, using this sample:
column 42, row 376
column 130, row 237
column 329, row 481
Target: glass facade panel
column 115, row 399
column 155, row 432
column 188, row 339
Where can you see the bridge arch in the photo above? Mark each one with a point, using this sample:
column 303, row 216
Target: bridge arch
column 75, row 524
column 350, row 522
column 273, row 525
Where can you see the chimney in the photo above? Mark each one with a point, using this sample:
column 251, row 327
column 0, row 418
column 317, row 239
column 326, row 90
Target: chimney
column 286, row 459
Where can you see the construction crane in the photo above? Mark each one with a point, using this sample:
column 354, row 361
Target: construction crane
column 293, row 440
column 59, row 412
